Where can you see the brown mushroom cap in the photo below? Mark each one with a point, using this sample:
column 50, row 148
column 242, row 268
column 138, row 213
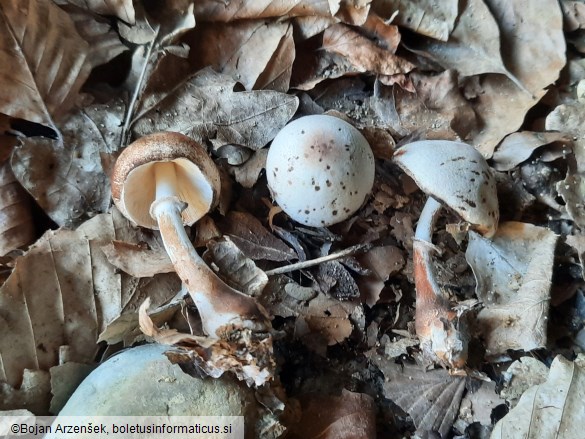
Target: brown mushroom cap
column 133, row 179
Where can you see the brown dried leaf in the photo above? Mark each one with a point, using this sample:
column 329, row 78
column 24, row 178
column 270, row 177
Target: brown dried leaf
column 210, row 10
column 336, row 281
column 437, row 106
column 552, row 409
column 235, row 268
column 43, row 58
column 72, row 296
column 426, row 17
column 535, row 62
column 253, row 239
column 104, row 41
column 348, row 416
column 34, row 393
column 382, row 262
column 123, row 9
column 66, row 176
column 136, row 260
column 473, row 47
column 206, row 107
column 513, row 271
column 16, row 222
column 518, row 147
column 248, row 173
column 256, row 53
column 324, row 322
column 431, row 398
column 363, row 53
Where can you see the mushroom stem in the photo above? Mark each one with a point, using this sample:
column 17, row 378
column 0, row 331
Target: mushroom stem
column 219, row 305
column 435, row 321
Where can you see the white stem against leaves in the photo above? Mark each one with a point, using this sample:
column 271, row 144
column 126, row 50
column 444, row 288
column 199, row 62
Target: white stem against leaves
column 426, row 221
column 218, row 304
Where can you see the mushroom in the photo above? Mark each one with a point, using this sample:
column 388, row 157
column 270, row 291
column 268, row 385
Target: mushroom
column 165, row 181
column 456, row 175
column 320, row 170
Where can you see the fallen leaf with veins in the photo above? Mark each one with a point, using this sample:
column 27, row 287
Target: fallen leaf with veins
column 513, row 271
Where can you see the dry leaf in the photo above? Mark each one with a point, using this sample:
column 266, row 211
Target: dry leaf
column 553, row 409
column 513, row 271
column 324, row 322
column 16, row 222
column 235, row 269
column 123, row 9
column 206, row 107
column 431, row 398
column 518, row 147
column 72, row 296
column 66, row 176
column 253, row 239
column 477, row 405
column 536, row 62
column 256, row 53
column 348, row 416
column 569, row 119
column 210, row 10
column 44, row 61
column 578, row 243
column 64, row 380
column 437, row 106
column 34, row 392
column 248, row 173
column 426, row 17
column 336, row 281
column 520, row 376
column 382, row 262
column 363, row 53
column 473, row 47
column 136, row 260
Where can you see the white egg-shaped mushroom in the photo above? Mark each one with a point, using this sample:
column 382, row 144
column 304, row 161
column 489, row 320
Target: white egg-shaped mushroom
column 320, row 169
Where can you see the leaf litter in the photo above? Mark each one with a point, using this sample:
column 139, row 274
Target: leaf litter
column 494, row 74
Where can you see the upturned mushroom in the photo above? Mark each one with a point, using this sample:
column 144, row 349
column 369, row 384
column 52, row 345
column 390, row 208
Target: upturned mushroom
column 320, row 169
column 455, row 175
column 165, row 181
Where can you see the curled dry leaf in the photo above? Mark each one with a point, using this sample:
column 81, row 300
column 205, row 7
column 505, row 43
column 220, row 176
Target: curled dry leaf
column 16, row 222
column 68, row 177
column 255, row 52
column 123, row 9
column 71, row 298
column 248, row 173
column 513, row 271
column 43, row 58
column 431, row 398
column 363, row 53
column 235, row 269
column 552, row 409
column 518, row 147
column 535, row 62
column 348, row 416
column 426, row 17
column 569, row 119
column 206, row 107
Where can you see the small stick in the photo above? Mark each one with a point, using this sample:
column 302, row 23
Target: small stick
column 312, row 262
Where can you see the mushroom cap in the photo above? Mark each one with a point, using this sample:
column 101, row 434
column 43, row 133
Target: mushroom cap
column 457, row 175
column 320, row 169
column 133, row 180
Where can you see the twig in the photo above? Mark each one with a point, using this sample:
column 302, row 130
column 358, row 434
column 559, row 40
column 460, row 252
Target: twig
column 312, row 262
column 137, row 89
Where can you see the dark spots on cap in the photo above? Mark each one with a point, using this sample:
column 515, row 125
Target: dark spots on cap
column 473, row 161
column 346, row 210
column 302, row 131
column 307, row 211
column 312, row 146
column 338, row 129
column 475, row 173
column 328, row 167
column 322, row 221
column 457, row 159
column 274, row 173
column 290, row 169
column 472, row 180
column 289, row 182
column 317, row 188
column 328, row 183
column 442, row 164
column 471, row 203
column 334, row 213
column 276, row 169
column 347, row 148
